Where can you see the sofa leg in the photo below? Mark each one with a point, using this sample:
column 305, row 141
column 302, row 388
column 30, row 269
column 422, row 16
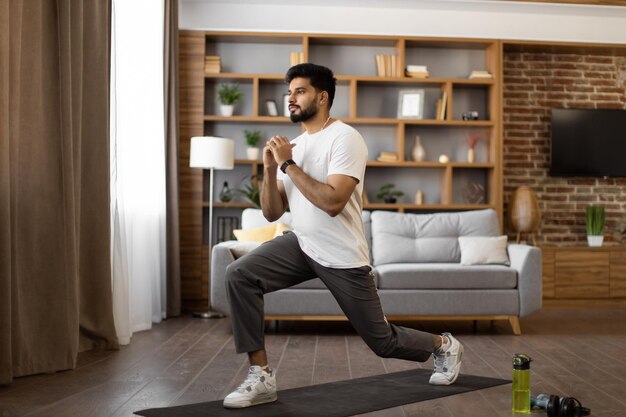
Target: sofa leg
column 475, row 326
column 514, row 322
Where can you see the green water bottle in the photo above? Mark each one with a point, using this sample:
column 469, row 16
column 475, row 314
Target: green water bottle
column 521, row 383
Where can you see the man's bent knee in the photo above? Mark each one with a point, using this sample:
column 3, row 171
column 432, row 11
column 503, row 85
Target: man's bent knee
column 234, row 275
column 238, row 274
column 383, row 350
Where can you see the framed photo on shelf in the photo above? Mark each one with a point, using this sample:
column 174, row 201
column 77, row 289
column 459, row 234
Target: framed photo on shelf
column 286, row 105
column 411, row 104
column 270, row 106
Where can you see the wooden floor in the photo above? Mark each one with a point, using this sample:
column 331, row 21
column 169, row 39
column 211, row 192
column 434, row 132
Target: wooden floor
column 576, row 352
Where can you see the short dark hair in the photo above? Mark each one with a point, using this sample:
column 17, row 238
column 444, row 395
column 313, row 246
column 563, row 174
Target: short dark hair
column 320, row 77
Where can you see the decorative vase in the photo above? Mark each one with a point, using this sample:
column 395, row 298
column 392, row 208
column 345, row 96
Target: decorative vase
column 252, row 153
column 226, row 194
column 595, row 240
column 419, row 197
column 227, row 109
column 418, row 152
column 524, row 213
column 471, row 155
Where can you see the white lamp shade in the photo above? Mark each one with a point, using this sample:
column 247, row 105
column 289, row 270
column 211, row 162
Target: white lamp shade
column 212, row 152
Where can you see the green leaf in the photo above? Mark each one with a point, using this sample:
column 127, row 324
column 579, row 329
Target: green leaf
column 595, row 216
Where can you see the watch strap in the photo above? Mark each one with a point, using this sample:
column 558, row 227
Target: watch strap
column 285, row 164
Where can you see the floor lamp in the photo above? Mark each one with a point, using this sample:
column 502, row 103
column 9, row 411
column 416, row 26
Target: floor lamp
column 209, row 152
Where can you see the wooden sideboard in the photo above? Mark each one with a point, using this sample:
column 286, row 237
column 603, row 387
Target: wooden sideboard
column 585, row 273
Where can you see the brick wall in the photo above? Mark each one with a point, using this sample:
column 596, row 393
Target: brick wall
column 534, row 82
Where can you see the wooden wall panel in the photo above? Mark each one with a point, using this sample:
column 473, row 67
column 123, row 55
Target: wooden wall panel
column 192, row 46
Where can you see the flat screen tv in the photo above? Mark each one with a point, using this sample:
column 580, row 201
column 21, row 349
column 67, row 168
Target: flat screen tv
column 588, row 143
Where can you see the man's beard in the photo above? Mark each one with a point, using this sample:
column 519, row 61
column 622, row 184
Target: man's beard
column 304, row 115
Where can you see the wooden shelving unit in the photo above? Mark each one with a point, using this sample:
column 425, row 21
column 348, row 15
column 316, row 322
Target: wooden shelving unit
column 258, row 62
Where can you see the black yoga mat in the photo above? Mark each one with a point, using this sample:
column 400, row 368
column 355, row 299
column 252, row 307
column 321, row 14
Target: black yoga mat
column 339, row 399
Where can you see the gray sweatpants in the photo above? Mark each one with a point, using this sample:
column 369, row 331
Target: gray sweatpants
column 280, row 263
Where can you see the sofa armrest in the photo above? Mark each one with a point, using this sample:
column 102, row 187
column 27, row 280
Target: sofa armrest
column 527, row 261
column 221, row 257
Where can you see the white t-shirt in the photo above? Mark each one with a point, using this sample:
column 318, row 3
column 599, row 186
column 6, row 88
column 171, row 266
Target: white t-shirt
column 336, row 242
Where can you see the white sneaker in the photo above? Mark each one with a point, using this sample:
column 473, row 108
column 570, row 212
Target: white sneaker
column 448, row 363
column 259, row 387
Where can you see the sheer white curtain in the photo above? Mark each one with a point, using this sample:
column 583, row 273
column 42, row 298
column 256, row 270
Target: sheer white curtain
column 137, row 165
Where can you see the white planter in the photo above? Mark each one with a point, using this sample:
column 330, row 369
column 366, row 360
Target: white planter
column 227, row 109
column 253, row 153
column 594, row 240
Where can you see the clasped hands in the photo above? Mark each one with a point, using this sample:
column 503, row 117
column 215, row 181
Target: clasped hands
column 276, row 151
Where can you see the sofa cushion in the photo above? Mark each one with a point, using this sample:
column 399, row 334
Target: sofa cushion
column 254, row 218
column 318, row 284
column 238, row 249
column 427, row 238
column 445, row 276
column 450, row 302
column 483, row 250
column 260, row 234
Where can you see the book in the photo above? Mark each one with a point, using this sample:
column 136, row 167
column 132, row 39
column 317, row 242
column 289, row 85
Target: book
column 438, row 111
column 416, row 68
column 388, row 157
column 212, row 64
column 417, row 74
column 444, row 104
column 387, row 66
column 296, row 58
column 480, row 74
column 380, row 66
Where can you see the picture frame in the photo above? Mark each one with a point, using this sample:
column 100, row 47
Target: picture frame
column 286, row 112
column 411, row 104
column 271, row 108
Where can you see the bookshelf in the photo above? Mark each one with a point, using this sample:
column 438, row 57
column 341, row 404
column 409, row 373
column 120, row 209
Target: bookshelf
column 258, row 62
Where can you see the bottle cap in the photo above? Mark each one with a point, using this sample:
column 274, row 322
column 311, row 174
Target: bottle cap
column 521, row 361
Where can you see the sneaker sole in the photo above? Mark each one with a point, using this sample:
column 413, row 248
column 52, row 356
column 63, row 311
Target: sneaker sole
column 446, row 382
column 257, row 401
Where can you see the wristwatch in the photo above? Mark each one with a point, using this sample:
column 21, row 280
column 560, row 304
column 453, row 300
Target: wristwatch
column 285, row 164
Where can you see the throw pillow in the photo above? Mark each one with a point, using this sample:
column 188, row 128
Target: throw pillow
column 242, row 248
column 260, row 234
column 480, row 250
column 280, row 228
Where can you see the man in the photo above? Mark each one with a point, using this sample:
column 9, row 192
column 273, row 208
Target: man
column 319, row 177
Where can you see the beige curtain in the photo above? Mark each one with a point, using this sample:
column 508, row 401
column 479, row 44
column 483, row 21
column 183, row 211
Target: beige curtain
column 171, row 156
column 55, row 273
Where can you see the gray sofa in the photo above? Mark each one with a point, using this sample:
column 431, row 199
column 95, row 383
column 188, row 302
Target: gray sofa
column 416, row 260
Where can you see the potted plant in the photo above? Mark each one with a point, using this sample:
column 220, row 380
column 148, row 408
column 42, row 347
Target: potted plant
column 595, row 225
column 388, row 194
column 229, row 95
column 252, row 191
column 252, row 140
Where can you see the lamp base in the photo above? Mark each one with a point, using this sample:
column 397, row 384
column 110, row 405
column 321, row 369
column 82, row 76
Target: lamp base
column 208, row 315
